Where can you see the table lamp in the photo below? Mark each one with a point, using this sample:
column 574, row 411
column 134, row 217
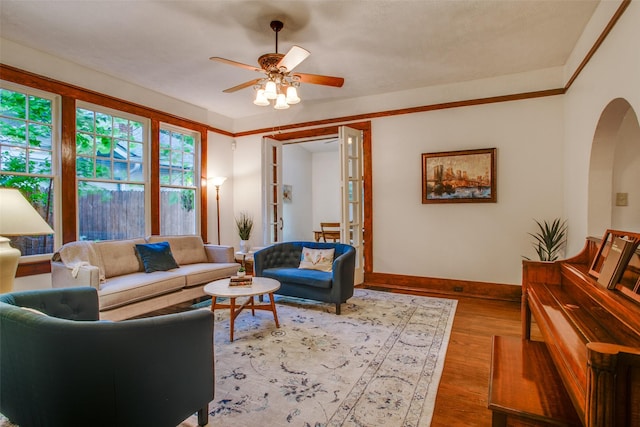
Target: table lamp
column 17, row 218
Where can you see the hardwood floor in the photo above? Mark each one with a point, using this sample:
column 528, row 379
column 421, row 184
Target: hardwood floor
column 464, row 386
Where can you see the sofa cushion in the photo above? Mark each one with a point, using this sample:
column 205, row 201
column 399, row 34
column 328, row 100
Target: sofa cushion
column 185, row 249
column 119, row 257
column 316, row 259
column 203, row 273
column 133, row 287
column 156, row 257
column 315, row 278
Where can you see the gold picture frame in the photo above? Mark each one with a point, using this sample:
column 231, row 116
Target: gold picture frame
column 465, row 176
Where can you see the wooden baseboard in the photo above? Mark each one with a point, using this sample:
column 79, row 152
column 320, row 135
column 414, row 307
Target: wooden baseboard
column 419, row 285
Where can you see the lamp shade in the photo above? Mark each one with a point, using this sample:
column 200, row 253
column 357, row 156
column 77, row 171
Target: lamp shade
column 261, row 99
column 218, row 180
column 270, row 90
column 18, row 217
column 292, row 95
column 281, row 102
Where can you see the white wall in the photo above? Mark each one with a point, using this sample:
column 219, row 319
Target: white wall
column 611, row 73
column 220, row 154
column 326, row 188
column 315, row 180
column 297, row 170
column 469, row 241
column 626, row 175
column 247, row 187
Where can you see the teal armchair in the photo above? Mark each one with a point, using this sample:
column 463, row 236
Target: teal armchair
column 67, row 368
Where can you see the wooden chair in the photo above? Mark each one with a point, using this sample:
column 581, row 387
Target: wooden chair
column 330, row 231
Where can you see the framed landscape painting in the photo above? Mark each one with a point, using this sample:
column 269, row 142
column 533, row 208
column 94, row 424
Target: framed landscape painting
column 467, row 176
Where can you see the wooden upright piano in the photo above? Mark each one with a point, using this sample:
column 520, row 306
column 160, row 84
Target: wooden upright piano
column 592, row 332
column 590, row 324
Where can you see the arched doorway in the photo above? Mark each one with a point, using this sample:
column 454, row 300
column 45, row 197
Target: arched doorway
column 614, row 170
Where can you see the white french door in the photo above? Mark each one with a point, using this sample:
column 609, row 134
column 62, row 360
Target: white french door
column 272, row 191
column 351, row 188
column 351, row 171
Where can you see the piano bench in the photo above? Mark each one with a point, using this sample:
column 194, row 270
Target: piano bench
column 525, row 388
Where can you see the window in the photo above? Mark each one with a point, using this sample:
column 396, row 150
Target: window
column 28, row 142
column 111, row 174
column 179, row 190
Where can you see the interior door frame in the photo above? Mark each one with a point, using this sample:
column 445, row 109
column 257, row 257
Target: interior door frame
column 351, row 218
column 367, row 176
column 272, row 190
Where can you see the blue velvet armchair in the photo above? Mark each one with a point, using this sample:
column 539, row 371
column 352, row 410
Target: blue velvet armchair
column 280, row 261
column 67, row 368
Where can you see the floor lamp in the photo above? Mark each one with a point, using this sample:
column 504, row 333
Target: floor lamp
column 17, row 218
column 217, row 182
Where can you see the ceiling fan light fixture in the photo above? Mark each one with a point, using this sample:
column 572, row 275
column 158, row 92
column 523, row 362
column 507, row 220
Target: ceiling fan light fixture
column 261, row 100
column 280, row 84
column 270, row 90
column 292, row 95
column 281, row 102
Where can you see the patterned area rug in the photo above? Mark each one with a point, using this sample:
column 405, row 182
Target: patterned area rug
column 377, row 364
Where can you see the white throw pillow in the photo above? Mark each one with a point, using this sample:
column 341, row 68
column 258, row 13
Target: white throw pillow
column 317, row 259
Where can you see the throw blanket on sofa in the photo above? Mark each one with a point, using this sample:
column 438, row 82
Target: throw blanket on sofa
column 76, row 254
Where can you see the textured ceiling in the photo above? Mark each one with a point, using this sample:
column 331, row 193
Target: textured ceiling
column 378, row 46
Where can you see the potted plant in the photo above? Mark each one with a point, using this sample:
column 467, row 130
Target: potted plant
column 550, row 240
column 244, row 224
column 241, row 271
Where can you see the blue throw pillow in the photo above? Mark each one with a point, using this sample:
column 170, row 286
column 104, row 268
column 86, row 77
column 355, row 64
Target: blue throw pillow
column 156, row 257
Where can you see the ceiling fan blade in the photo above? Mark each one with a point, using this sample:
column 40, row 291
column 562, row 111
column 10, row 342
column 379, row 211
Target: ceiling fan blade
column 293, row 58
column 242, row 86
column 317, row 79
column 236, row 64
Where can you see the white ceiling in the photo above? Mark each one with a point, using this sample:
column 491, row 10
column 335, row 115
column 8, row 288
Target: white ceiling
column 378, row 46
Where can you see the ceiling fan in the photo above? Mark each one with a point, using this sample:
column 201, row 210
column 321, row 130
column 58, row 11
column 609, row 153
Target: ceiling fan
column 280, row 82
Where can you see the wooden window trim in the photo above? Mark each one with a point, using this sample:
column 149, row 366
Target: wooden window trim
column 70, row 95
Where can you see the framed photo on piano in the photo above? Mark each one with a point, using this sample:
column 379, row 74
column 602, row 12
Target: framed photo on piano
column 617, row 262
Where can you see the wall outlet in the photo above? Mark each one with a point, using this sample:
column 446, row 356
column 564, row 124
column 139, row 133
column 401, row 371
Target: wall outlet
column 622, row 199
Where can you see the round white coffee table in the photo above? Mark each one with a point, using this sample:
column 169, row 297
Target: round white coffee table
column 260, row 286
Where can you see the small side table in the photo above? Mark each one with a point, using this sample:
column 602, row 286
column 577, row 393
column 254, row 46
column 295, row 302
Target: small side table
column 246, row 259
column 259, row 286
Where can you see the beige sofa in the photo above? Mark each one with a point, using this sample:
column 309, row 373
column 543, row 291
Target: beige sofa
column 124, row 289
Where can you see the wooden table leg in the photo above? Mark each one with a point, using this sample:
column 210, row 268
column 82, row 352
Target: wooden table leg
column 273, row 308
column 236, row 309
column 232, row 318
